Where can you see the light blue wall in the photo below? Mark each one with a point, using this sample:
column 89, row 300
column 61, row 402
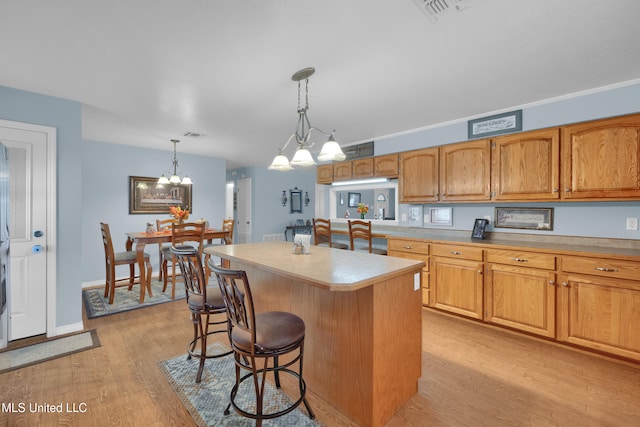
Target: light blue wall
column 65, row 116
column 268, row 214
column 105, row 195
column 601, row 219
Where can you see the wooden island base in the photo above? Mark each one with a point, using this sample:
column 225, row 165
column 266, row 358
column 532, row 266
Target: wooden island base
column 363, row 336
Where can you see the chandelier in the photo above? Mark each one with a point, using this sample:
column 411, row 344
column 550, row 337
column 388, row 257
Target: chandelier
column 175, row 178
column 303, row 133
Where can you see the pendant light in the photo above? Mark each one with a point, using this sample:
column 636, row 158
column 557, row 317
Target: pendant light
column 174, row 179
column 302, row 156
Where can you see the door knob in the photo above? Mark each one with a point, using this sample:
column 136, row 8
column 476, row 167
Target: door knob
column 36, row 249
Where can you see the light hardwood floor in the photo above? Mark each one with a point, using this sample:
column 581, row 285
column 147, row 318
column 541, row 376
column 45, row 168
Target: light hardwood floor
column 472, row 376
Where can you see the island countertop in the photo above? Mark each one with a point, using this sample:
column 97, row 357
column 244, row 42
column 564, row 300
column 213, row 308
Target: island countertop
column 327, row 268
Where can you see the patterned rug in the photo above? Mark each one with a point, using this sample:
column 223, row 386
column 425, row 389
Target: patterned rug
column 207, row 401
column 47, row 350
column 97, row 305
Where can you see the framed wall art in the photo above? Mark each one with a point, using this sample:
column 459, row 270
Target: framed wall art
column 354, row 199
column 524, row 218
column 147, row 197
column 495, row 125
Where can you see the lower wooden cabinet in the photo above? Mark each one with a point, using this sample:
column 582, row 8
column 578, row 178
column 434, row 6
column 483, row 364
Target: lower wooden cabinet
column 521, row 298
column 600, row 311
column 457, row 284
column 590, row 301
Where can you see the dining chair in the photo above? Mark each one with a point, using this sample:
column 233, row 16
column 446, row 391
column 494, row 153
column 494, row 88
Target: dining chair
column 205, row 304
column 263, row 336
column 113, row 259
column 163, row 248
column 322, row 234
column 362, row 230
column 183, row 236
column 227, row 225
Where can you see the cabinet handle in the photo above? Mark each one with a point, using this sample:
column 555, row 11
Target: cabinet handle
column 551, row 282
column 455, row 253
column 555, row 190
column 407, row 247
column 520, row 259
column 567, row 190
column 565, row 284
column 479, row 271
column 613, row 270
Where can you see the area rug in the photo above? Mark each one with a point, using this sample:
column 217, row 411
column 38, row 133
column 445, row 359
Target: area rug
column 47, row 350
column 97, row 305
column 207, row 401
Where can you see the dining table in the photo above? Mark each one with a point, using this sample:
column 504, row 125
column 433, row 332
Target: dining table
column 137, row 241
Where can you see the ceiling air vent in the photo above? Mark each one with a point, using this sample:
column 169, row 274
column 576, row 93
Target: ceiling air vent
column 436, row 9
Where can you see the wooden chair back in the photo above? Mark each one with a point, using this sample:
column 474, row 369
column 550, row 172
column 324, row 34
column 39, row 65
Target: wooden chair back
column 321, row 231
column 227, row 225
column 109, row 254
column 192, row 232
column 360, row 230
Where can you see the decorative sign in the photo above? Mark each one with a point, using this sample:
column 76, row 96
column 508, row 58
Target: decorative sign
column 525, row 218
column 495, row 125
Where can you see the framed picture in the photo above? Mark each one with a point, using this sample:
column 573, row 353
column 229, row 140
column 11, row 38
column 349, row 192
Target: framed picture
column 440, row 216
column 479, row 228
column 495, row 125
column 415, row 216
column 354, row 199
column 147, row 197
column 524, row 218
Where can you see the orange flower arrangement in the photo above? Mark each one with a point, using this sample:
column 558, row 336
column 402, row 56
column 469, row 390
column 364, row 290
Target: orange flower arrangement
column 362, row 210
column 178, row 213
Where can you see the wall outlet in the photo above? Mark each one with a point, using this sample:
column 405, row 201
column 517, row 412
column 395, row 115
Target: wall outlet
column 632, row 224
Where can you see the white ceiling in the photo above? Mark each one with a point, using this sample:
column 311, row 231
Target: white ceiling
column 147, row 71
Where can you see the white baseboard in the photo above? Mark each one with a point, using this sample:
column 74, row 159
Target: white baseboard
column 67, row 329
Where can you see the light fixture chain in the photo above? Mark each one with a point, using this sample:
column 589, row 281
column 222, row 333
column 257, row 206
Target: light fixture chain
column 306, row 94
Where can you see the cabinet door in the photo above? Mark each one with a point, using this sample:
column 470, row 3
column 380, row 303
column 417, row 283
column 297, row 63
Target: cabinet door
column 521, row 298
column 601, row 159
column 600, row 313
column 363, row 168
column 418, row 180
column 324, row 174
column 386, row 165
column 457, row 286
column 465, row 171
column 342, row 171
column 526, row 166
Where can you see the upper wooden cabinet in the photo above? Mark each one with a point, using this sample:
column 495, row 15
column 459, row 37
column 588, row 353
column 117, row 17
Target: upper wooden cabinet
column 324, row 174
column 465, row 171
column 601, row 159
column 342, row 171
column 526, row 166
column 362, row 168
column 386, row 166
column 418, row 179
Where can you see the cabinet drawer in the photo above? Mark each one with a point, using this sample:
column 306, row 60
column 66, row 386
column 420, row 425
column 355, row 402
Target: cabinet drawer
column 522, row 259
column 411, row 246
column 457, row 251
column 602, row 267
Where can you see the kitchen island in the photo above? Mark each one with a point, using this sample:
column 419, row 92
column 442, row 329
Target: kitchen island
column 363, row 320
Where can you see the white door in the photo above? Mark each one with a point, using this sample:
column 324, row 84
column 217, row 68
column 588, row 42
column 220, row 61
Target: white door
column 244, row 210
column 29, row 227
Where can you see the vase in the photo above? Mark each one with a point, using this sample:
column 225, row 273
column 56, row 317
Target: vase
column 361, row 216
